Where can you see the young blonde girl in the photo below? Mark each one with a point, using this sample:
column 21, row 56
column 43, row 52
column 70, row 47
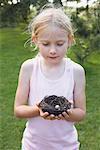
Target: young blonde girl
column 50, row 73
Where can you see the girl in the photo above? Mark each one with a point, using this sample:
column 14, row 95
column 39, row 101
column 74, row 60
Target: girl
column 50, row 73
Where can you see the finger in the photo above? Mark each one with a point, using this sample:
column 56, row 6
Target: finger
column 57, row 117
column 61, row 117
column 52, row 117
column 44, row 114
column 66, row 116
column 38, row 104
column 48, row 118
column 69, row 111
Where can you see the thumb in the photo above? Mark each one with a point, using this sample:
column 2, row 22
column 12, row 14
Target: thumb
column 69, row 111
column 38, row 104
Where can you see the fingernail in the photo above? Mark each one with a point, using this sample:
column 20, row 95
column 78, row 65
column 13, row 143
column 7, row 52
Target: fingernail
column 64, row 113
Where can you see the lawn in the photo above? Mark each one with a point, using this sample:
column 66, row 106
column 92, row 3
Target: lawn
column 12, row 54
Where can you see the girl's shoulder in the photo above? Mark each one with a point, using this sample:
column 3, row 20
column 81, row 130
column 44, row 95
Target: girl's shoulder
column 30, row 64
column 78, row 70
column 27, row 67
column 76, row 67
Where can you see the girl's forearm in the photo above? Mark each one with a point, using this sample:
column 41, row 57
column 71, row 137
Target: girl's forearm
column 76, row 115
column 25, row 111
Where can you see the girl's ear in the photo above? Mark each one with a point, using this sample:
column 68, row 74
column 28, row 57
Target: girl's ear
column 70, row 40
column 34, row 39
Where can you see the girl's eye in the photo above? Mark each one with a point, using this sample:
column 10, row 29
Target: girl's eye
column 60, row 44
column 45, row 44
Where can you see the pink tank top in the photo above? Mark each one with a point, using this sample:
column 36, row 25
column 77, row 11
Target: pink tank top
column 41, row 134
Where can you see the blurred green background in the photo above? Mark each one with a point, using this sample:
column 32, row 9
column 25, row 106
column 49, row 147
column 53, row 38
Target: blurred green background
column 14, row 19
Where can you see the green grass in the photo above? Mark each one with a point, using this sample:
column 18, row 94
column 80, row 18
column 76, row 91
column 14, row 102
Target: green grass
column 12, row 54
column 89, row 130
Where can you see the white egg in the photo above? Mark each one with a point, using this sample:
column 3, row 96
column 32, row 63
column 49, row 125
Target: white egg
column 57, row 107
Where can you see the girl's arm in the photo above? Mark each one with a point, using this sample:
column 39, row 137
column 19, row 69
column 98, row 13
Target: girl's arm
column 77, row 113
column 21, row 109
column 79, row 110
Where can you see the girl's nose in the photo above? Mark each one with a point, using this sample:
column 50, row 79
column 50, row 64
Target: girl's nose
column 52, row 50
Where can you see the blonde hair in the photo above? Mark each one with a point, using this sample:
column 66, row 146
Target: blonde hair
column 51, row 16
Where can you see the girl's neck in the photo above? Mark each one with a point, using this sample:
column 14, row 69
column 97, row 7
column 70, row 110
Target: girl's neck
column 51, row 65
column 53, row 71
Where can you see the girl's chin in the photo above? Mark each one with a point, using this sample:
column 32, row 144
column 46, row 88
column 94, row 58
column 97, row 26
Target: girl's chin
column 54, row 60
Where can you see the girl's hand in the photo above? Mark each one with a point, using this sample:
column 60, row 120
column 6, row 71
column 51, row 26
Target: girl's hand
column 73, row 115
column 66, row 116
column 46, row 115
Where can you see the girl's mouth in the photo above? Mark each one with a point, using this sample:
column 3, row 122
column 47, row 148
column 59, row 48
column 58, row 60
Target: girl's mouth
column 54, row 57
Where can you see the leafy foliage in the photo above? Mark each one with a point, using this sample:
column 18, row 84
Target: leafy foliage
column 87, row 34
column 12, row 14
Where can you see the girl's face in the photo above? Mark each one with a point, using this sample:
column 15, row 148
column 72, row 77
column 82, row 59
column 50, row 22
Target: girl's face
column 53, row 43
